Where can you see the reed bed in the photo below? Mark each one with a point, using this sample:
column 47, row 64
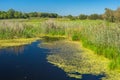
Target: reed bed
column 14, row 29
column 100, row 36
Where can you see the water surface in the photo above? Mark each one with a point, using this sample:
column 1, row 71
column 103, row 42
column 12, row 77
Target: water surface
column 29, row 63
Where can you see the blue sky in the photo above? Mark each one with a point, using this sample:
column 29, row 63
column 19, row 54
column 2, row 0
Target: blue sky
column 62, row 7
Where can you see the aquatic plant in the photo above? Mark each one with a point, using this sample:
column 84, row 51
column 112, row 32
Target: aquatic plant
column 76, row 60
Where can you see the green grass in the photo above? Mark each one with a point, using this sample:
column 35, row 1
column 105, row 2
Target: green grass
column 104, row 40
column 11, row 30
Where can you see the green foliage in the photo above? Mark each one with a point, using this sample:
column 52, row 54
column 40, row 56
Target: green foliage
column 109, row 15
column 83, row 17
column 94, row 17
column 11, row 13
column 70, row 17
column 103, row 40
column 115, row 63
column 75, row 36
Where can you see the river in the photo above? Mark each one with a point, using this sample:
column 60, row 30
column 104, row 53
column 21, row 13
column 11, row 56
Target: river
column 29, row 62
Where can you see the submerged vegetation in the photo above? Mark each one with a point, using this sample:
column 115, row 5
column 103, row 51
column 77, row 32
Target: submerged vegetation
column 76, row 60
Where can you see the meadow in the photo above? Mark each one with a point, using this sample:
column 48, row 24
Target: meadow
column 100, row 36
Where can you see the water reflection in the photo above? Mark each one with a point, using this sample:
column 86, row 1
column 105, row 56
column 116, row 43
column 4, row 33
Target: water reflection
column 51, row 39
column 28, row 63
column 13, row 50
column 89, row 76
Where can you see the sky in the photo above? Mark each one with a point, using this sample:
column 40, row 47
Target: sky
column 62, row 7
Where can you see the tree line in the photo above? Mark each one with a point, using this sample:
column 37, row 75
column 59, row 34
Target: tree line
column 83, row 17
column 11, row 13
column 109, row 15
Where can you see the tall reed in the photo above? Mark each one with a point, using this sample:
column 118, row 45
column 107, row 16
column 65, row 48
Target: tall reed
column 12, row 29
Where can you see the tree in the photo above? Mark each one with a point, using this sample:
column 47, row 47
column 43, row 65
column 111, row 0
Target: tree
column 10, row 13
column 18, row 14
column 3, row 15
column 44, row 15
column 53, row 15
column 94, row 17
column 71, row 17
column 82, row 16
column 109, row 15
column 25, row 15
column 117, row 15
